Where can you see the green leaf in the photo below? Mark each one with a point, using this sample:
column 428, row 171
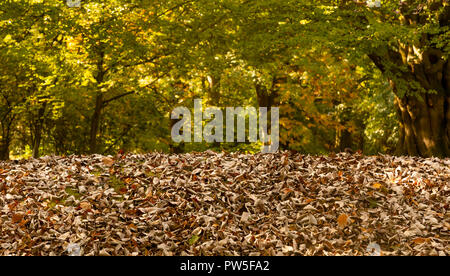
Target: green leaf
column 193, row 240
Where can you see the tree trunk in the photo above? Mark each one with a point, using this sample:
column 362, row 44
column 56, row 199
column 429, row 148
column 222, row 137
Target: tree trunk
column 424, row 125
column 269, row 97
column 344, row 140
column 38, row 130
column 424, row 110
column 420, row 78
column 95, row 123
column 99, row 104
column 4, row 147
column 5, row 142
column 425, row 120
column 174, row 147
column 36, row 144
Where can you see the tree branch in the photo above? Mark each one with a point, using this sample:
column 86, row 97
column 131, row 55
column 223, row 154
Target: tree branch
column 106, row 102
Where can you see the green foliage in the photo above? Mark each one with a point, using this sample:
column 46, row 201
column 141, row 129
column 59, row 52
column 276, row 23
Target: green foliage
column 140, row 59
column 379, row 117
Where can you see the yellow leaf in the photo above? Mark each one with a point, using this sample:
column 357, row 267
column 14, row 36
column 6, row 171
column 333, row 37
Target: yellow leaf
column 376, row 186
column 8, row 39
column 309, row 200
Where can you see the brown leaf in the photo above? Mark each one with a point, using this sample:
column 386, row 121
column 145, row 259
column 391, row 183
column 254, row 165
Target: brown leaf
column 16, row 218
column 421, row 240
column 108, row 161
column 447, row 225
column 85, row 205
column 230, row 202
column 342, row 220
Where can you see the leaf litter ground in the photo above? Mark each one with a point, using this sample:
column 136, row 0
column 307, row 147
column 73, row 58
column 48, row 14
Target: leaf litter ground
column 225, row 204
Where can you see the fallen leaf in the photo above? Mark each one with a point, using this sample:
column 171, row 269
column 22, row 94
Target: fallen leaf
column 420, row 240
column 342, row 220
column 108, row 161
column 16, row 218
column 85, row 205
column 234, row 205
column 193, row 240
column 245, row 217
column 377, row 185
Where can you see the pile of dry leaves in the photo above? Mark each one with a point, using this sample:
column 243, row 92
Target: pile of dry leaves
column 225, row 204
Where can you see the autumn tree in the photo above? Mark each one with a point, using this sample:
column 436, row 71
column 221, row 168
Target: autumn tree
column 72, row 79
column 409, row 42
column 29, row 68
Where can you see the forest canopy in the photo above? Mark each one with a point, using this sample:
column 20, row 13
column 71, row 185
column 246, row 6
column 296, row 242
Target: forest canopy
column 369, row 76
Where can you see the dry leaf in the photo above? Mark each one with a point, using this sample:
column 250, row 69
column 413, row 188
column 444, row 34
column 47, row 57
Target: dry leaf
column 16, row 218
column 225, row 204
column 420, row 240
column 85, row 205
column 108, row 161
column 342, row 220
column 377, row 185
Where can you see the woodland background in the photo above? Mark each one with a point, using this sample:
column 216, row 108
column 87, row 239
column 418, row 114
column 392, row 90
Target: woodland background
column 372, row 76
